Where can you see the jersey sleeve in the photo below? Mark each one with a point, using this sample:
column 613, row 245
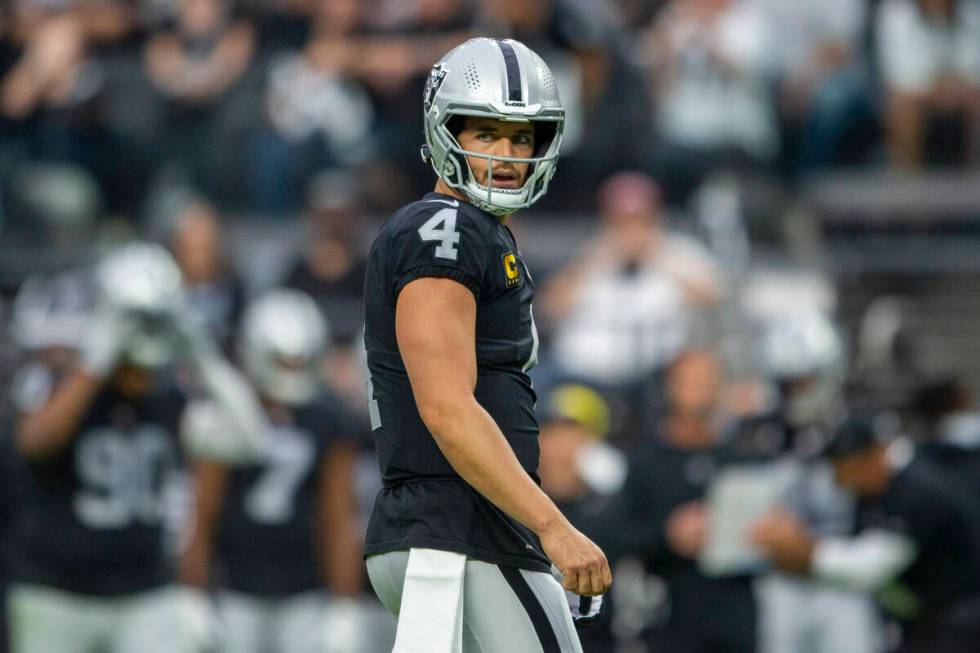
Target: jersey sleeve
column 440, row 241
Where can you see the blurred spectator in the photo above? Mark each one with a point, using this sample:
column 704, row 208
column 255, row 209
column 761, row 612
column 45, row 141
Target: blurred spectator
column 575, row 462
column 317, row 114
column 210, row 283
column 602, row 90
column 52, row 98
column 635, row 14
column 929, row 54
column 331, row 269
column 661, row 516
column 916, row 545
column 951, row 423
column 53, row 70
column 625, row 307
column 331, row 266
column 202, row 55
column 194, row 63
column 282, row 24
column 714, row 108
column 580, row 472
column 819, row 65
column 406, row 38
column 53, row 216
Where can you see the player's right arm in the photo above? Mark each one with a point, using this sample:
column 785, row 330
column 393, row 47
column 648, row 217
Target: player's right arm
column 441, row 366
column 45, row 429
column 210, row 480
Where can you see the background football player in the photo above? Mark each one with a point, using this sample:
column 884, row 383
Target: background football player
column 462, row 539
column 100, row 458
column 281, row 532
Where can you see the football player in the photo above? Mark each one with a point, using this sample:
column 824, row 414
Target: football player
column 99, row 453
column 282, row 529
column 462, row 539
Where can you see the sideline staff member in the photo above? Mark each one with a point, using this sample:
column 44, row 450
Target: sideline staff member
column 916, row 545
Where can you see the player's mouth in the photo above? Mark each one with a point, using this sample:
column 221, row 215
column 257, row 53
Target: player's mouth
column 505, row 179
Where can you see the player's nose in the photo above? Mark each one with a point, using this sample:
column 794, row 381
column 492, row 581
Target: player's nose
column 503, row 146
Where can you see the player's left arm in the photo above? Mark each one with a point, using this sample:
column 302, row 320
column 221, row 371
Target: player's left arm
column 244, row 427
column 339, row 543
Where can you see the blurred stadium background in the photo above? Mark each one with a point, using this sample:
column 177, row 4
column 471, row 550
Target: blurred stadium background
column 735, row 173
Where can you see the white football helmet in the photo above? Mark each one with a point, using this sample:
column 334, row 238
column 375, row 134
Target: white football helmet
column 804, row 354
column 142, row 282
column 282, row 339
column 501, row 79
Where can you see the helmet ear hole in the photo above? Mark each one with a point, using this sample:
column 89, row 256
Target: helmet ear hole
column 455, row 125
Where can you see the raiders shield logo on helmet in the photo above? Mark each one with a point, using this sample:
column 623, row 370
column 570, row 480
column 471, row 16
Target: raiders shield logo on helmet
column 436, row 75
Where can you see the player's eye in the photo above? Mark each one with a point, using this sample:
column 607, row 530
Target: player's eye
column 523, row 139
column 485, row 137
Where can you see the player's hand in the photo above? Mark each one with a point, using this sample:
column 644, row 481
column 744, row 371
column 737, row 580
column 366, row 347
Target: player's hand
column 785, row 540
column 109, row 331
column 192, row 332
column 582, row 564
column 687, row 529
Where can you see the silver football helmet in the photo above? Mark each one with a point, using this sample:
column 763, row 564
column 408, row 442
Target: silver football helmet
column 141, row 282
column 500, row 79
column 282, row 339
column 803, row 353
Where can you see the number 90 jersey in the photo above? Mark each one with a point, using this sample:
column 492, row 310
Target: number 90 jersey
column 97, row 516
column 424, row 502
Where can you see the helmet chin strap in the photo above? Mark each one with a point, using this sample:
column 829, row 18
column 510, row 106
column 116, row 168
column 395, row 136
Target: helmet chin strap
column 489, row 181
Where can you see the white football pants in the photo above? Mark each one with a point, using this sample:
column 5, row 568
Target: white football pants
column 800, row 616
column 47, row 620
column 505, row 610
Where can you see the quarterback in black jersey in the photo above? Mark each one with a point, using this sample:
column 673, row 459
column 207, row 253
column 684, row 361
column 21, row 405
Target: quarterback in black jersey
column 462, row 540
column 99, row 457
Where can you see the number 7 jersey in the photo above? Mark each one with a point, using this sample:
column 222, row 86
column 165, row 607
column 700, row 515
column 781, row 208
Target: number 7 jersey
column 424, row 502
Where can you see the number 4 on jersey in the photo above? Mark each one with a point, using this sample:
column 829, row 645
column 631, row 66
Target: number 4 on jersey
column 442, row 227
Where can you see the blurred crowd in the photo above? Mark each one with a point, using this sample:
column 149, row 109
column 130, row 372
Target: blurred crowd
column 705, row 416
column 247, row 100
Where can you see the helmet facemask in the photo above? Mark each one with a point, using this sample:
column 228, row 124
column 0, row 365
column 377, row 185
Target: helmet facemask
column 456, row 172
column 500, row 80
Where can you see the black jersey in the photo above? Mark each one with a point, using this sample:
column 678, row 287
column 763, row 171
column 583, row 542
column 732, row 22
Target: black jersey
column 940, row 516
column 961, row 461
column 424, row 502
column 95, row 516
column 267, row 536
